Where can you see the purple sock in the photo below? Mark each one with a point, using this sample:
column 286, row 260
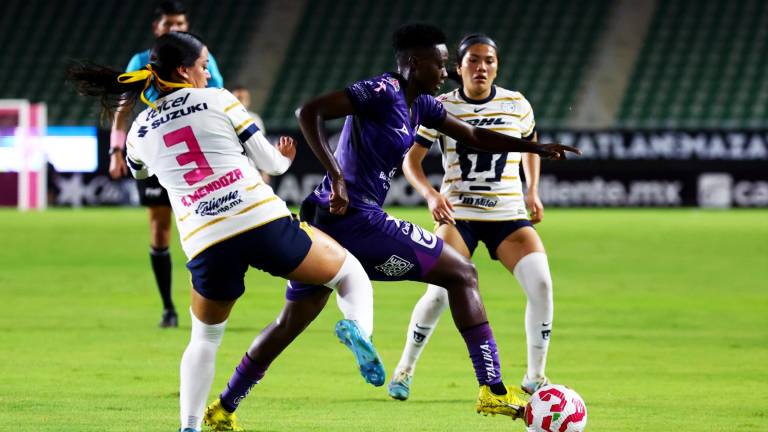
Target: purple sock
column 247, row 374
column 484, row 353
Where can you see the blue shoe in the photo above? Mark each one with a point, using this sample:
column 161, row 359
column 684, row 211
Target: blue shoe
column 189, row 430
column 365, row 353
column 531, row 385
column 400, row 385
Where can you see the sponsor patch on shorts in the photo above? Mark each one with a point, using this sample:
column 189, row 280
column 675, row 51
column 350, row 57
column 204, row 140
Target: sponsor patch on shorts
column 395, row 266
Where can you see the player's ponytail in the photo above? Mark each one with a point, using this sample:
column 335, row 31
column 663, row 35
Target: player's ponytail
column 148, row 76
column 115, row 88
column 90, row 79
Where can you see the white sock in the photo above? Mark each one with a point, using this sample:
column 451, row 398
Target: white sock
column 196, row 371
column 424, row 319
column 354, row 293
column 532, row 271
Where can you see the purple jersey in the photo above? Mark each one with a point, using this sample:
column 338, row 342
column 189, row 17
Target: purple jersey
column 376, row 138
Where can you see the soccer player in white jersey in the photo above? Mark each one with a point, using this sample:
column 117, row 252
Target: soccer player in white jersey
column 198, row 142
column 481, row 199
column 170, row 15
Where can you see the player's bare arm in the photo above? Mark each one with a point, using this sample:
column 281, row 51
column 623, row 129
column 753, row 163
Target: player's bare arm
column 532, row 168
column 439, row 206
column 488, row 140
column 120, row 125
column 311, row 116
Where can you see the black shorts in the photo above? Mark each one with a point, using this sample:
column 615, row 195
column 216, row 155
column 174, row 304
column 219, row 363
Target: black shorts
column 492, row 233
column 277, row 247
column 151, row 193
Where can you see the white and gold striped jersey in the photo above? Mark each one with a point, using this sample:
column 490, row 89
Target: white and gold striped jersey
column 483, row 186
column 198, row 143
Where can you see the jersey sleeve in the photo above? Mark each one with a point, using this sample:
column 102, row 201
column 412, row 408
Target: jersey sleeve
column 216, row 80
column 371, row 96
column 257, row 148
column 134, row 63
column 425, row 136
column 259, row 122
column 139, row 170
column 432, row 112
column 527, row 120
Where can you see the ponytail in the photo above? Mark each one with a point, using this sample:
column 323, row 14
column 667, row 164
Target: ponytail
column 147, row 75
column 99, row 81
column 115, row 88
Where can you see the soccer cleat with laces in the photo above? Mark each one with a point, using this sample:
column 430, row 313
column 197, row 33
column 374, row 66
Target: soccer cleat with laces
column 371, row 368
column 511, row 404
column 531, row 385
column 220, row 419
column 400, row 385
column 188, row 430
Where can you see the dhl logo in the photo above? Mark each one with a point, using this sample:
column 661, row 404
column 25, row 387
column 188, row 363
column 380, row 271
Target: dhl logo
column 486, row 121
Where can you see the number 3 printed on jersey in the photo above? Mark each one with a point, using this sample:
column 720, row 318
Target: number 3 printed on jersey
column 194, row 155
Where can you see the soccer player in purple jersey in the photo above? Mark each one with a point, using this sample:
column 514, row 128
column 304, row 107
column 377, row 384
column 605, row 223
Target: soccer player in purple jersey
column 382, row 114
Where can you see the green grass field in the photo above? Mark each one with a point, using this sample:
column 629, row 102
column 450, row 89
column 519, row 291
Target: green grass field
column 661, row 323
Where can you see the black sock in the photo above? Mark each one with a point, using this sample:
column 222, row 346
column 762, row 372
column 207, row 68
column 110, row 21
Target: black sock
column 161, row 266
column 498, row 388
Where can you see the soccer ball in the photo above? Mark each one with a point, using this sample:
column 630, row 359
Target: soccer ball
column 555, row 408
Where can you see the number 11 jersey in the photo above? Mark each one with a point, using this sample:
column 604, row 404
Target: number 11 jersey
column 483, row 186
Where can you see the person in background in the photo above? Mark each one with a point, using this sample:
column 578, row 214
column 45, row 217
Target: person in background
column 169, row 16
column 244, row 96
column 481, row 199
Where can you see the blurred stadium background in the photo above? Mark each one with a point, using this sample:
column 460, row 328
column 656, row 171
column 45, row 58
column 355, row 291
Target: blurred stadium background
column 667, row 99
column 661, row 314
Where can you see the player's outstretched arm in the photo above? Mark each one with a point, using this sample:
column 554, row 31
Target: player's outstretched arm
column 312, row 116
column 488, row 140
column 532, row 168
column 439, row 206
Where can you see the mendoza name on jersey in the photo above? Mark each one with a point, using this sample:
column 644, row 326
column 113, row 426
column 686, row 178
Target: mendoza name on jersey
column 175, row 103
column 227, row 179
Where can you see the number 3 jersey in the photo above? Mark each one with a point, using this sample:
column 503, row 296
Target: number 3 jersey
column 198, row 143
column 480, row 185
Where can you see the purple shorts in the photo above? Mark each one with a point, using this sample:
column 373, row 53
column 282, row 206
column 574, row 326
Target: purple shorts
column 389, row 249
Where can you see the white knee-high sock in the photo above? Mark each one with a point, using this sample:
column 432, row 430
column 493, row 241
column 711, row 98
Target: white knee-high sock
column 424, row 319
column 197, row 369
column 532, row 271
column 354, row 293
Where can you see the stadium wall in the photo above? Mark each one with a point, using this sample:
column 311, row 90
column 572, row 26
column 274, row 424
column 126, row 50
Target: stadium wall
column 618, row 168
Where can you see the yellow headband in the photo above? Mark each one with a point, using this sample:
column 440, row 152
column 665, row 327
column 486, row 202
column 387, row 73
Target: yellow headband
column 146, row 75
